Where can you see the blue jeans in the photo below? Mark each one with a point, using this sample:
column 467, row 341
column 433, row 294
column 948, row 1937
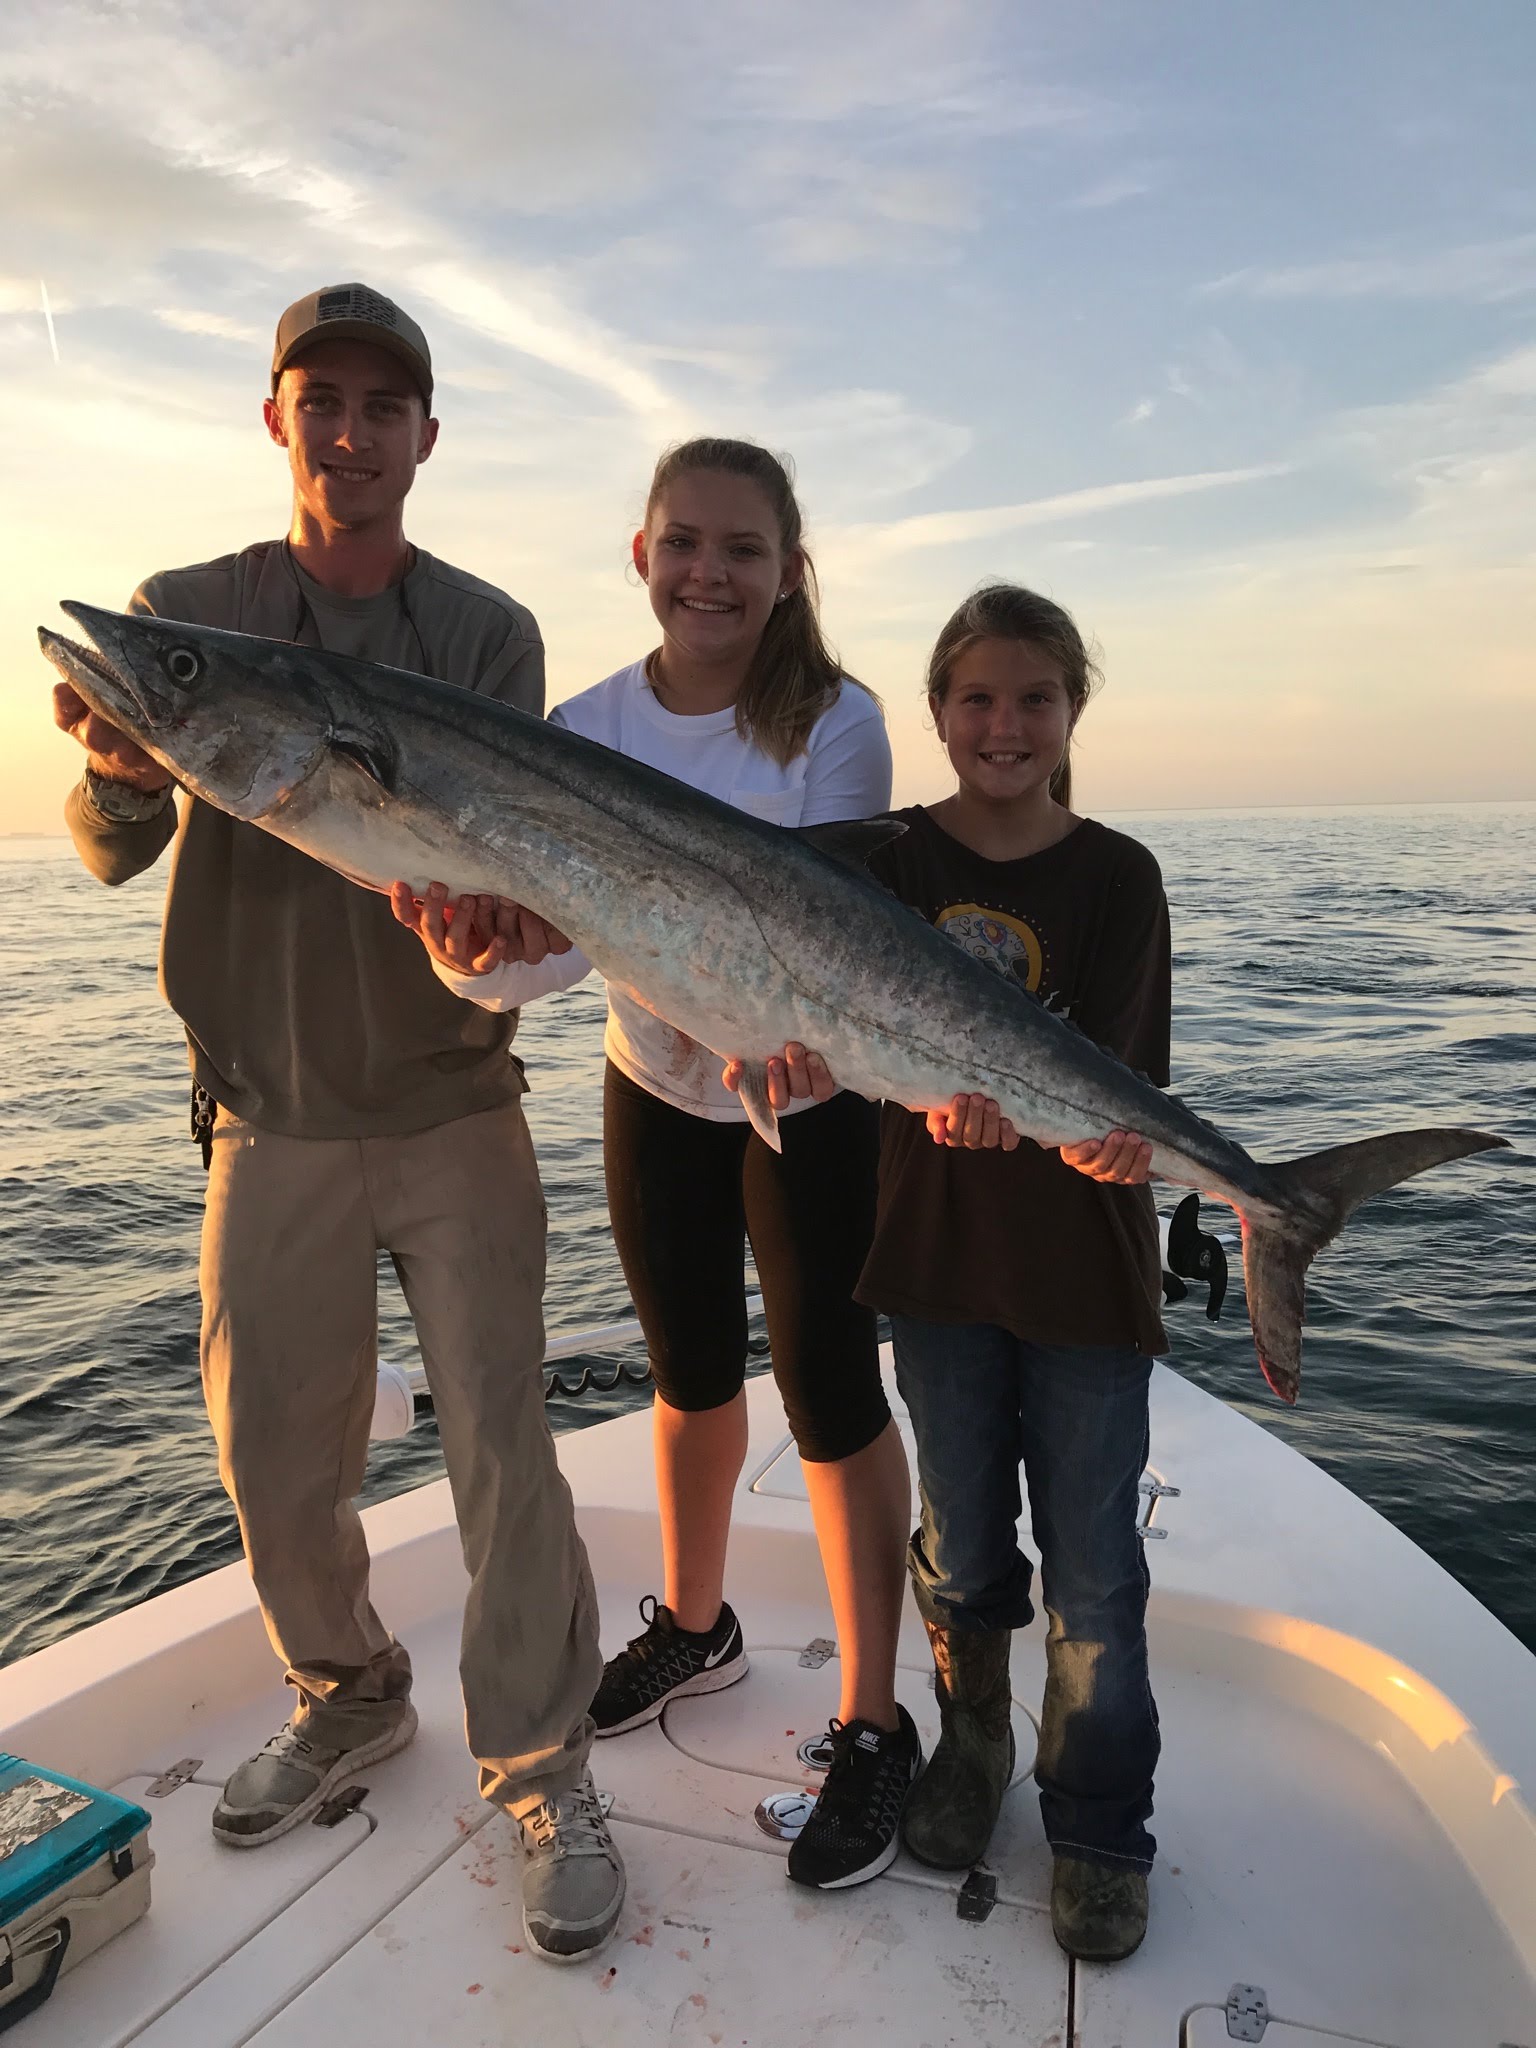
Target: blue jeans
column 982, row 1402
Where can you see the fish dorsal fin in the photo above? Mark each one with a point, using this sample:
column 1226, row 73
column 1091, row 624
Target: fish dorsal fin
column 852, row 840
column 761, row 1115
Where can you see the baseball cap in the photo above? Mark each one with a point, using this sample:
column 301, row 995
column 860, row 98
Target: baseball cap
column 353, row 312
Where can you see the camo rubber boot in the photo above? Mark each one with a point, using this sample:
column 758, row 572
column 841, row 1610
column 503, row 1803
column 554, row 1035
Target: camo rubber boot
column 954, row 1805
column 1098, row 1912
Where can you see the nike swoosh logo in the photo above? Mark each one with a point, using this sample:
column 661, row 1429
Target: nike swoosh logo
column 715, row 1655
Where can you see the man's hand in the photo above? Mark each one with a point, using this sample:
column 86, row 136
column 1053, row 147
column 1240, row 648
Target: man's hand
column 112, row 755
column 802, row 1075
column 475, row 933
column 974, row 1122
column 1122, row 1157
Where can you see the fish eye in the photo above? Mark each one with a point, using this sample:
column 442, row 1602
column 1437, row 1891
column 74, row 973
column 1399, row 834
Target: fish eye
column 183, row 665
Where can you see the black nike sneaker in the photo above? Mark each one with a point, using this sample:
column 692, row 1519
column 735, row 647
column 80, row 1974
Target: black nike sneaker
column 666, row 1663
column 851, row 1835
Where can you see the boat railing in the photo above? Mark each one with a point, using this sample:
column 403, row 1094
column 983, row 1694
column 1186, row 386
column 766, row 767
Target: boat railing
column 401, row 1387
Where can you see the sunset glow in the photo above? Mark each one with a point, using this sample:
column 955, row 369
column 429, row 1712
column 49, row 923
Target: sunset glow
column 1247, row 380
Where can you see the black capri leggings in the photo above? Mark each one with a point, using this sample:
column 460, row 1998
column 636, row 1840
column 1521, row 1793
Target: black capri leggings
column 684, row 1194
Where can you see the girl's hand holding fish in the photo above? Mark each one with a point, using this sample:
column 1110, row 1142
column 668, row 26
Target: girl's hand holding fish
column 973, row 1121
column 1122, row 1157
column 473, row 934
column 801, row 1074
column 970, row 1121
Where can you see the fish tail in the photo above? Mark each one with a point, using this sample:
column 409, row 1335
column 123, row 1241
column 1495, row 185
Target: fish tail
column 1315, row 1198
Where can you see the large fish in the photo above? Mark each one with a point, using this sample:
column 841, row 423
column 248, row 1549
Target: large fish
column 741, row 934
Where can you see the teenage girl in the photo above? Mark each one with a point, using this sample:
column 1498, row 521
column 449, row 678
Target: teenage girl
column 1024, row 1297
column 743, row 699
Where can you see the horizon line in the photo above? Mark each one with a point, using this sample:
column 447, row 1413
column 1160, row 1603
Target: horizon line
column 1372, row 803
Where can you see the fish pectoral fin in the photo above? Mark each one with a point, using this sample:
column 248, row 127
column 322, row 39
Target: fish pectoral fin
column 852, row 840
column 372, row 753
column 761, row 1114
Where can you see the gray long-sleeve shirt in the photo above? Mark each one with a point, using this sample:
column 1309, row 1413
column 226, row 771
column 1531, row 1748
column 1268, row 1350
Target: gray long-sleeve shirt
column 308, row 1010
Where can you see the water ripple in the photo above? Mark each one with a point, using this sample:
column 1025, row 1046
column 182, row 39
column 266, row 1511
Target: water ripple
column 1337, row 972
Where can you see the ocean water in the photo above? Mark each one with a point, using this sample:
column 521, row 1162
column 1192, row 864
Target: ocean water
column 1336, row 972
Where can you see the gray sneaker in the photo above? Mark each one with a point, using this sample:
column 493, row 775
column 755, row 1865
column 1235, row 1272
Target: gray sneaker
column 291, row 1778
column 573, row 1875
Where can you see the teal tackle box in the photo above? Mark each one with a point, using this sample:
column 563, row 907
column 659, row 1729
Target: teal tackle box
column 74, row 1871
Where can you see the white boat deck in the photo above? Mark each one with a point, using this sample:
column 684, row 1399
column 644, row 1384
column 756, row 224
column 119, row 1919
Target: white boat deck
column 1339, row 1810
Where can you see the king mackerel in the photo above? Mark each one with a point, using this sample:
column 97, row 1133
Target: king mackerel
column 743, row 935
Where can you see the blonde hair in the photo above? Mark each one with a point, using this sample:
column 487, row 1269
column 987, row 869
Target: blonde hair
column 1007, row 611
column 794, row 675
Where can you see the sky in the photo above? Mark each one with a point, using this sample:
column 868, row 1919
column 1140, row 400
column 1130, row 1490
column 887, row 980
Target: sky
column 1217, row 322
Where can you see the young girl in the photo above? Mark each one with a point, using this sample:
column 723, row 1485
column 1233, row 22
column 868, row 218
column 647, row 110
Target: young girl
column 744, row 699
column 1024, row 1298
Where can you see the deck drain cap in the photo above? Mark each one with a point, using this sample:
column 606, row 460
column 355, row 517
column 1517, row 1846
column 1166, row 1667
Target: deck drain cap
column 784, row 1815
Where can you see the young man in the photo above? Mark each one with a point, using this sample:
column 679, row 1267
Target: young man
column 358, row 1106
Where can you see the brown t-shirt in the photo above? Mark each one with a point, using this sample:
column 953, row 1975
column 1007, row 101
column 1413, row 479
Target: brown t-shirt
column 1021, row 1239
column 309, row 1011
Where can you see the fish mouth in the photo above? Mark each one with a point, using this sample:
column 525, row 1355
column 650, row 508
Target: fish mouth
column 109, row 693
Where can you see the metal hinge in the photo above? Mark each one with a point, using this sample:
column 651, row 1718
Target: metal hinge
column 172, row 1780
column 1154, row 1489
column 1247, row 2012
column 977, row 1896
column 1152, row 1535
column 816, row 1653
column 340, row 1804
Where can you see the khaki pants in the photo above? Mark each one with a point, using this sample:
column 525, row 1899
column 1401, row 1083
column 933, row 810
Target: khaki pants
column 290, row 1237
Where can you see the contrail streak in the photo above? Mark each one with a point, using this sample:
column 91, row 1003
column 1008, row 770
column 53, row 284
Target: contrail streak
column 53, row 339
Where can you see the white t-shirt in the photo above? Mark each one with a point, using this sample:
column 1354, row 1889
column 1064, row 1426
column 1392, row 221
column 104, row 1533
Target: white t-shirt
column 844, row 771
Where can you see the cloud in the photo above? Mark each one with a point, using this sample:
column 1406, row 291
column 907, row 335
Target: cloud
column 526, row 107
column 1114, row 190
column 202, row 320
column 148, row 144
column 1483, row 272
column 531, row 319
column 842, row 207
column 90, row 204
column 923, row 66
column 824, row 242
column 1141, row 411
column 852, row 448
column 951, row 529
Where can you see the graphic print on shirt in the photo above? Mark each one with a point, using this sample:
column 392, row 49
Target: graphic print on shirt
column 1000, row 939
